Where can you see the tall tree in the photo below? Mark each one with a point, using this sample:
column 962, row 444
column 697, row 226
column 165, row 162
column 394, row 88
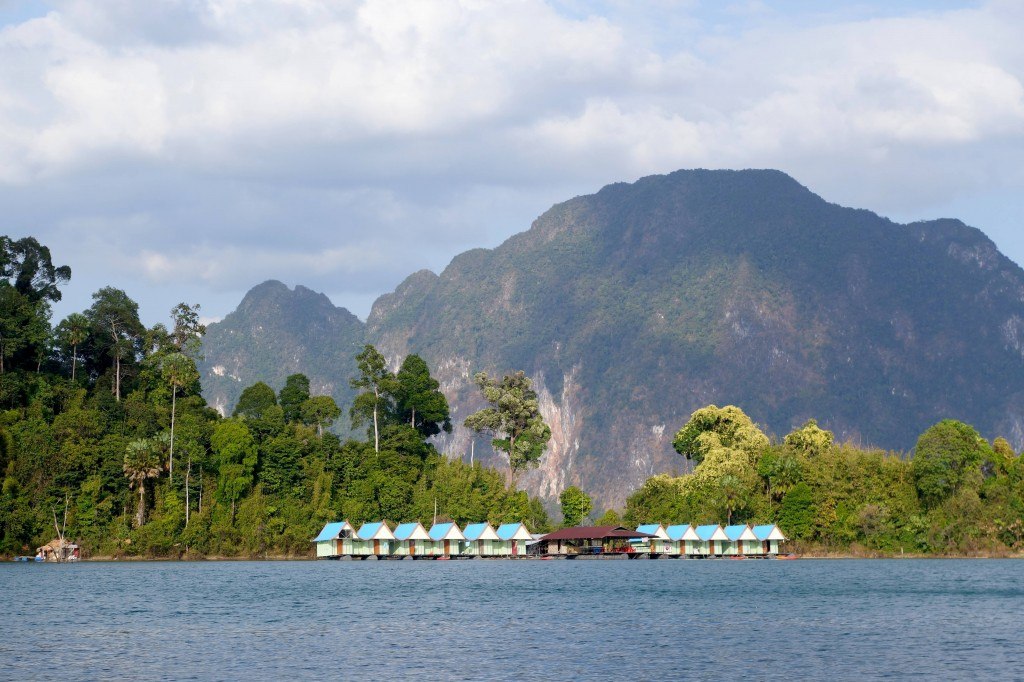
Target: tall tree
column 238, row 454
column 292, row 395
column 27, row 266
column 188, row 331
column 72, row 332
column 115, row 316
column 948, row 455
column 715, row 427
column 576, row 504
column 377, row 385
column 254, row 401
column 320, row 410
column 418, row 398
column 141, row 462
column 514, row 419
column 179, row 372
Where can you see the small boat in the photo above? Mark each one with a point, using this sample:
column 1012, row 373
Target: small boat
column 787, row 557
column 737, row 558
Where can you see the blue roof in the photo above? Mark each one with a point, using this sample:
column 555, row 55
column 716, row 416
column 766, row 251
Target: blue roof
column 439, row 530
column 705, row 532
column 762, row 532
column 369, row 529
column 649, row 528
column 677, row 532
column 330, row 531
column 734, row 532
column 474, row 530
column 507, row 530
column 404, row 530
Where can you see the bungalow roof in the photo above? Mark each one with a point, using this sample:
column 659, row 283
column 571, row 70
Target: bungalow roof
column 711, row 532
column 737, row 533
column 655, row 529
column 377, row 530
column 595, row 533
column 333, row 530
column 681, row 532
column 411, row 531
column 513, row 531
column 480, row 531
column 769, row 532
column 445, row 531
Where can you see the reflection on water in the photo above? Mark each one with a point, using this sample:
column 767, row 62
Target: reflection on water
column 513, row 619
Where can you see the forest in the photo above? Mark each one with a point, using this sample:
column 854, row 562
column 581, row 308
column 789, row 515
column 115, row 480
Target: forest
column 104, row 433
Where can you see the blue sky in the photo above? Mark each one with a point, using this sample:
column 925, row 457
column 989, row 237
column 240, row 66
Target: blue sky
column 189, row 149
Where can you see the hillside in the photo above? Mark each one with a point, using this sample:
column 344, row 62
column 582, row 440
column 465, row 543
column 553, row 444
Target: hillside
column 636, row 305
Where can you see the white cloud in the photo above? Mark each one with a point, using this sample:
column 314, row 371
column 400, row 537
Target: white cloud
column 344, row 145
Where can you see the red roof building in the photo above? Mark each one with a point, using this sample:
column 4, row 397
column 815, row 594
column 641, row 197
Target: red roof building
column 590, row 540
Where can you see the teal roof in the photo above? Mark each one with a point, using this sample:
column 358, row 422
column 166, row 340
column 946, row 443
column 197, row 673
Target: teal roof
column 677, row 532
column 705, row 532
column 439, row 530
column 330, row 531
column 734, row 532
column 404, row 530
column 649, row 528
column 474, row 530
column 367, row 531
column 507, row 530
column 763, row 532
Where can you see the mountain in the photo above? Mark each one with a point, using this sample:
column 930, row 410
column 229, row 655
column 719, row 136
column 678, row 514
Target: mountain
column 634, row 306
column 274, row 332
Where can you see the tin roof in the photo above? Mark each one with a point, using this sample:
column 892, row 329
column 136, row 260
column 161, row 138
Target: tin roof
column 513, row 531
column 769, row 532
column 711, row 532
column 377, row 530
column 480, row 531
column 681, row 532
column 331, row 531
column 411, row 531
column 445, row 531
column 736, row 533
column 595, row 533
column 655, row 529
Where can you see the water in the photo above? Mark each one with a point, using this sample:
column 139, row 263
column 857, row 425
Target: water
column 513, row 619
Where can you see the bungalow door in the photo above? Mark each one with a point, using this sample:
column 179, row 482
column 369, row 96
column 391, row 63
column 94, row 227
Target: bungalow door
column 447, row 547
column 376, row 546
column 412, row 548
column 711, row 551
column 515, row 548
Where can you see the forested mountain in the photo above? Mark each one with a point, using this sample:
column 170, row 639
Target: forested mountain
column 635, row 306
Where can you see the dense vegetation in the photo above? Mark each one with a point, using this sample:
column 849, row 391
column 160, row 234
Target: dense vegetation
column 957, row 494
column 105, row 417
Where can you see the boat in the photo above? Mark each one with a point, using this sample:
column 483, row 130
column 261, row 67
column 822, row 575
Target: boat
column 787, row 557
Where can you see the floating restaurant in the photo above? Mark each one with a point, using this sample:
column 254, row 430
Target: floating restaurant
column 510, row 540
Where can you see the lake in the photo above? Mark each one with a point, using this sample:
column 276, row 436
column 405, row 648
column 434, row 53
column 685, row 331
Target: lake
column 836, row 619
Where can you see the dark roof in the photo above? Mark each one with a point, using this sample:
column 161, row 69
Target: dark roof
column 594, row 533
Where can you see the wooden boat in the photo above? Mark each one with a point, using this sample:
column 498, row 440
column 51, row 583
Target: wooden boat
column 787, row 557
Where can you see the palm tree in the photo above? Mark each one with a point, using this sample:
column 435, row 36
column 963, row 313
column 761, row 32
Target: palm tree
column 731, row 489
column 141, row 461
column 73, row 331
column 179, row 371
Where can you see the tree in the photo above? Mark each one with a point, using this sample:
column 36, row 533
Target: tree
column 235, row 448
column 796, row 515
column 291, row 397
column 378, row 385
column 179, row 371
column 733, row 494
column 188, row 331
column 810, row 440
column 72, row 332
column 514, row 418
column 576, row 505
column 27, row 266
column 320, row 410
column 254, row 401
column 418, row 399
column 141, row 462
column 115, row 316
column 946, row 456
column 712, row 426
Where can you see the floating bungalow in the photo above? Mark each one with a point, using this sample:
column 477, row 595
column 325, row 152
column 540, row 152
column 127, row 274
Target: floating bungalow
column 711, row 540
column 411, row 539
column 742, row 541
column 659, row 541
column 480, row 539
column 512, row 539
column 373, row 539
column 335, row 540
column 682, row 539
column 769, row 536
column 445, row 539
column 590, row 540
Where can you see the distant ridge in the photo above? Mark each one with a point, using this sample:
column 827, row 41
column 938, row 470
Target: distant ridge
column 633, row 306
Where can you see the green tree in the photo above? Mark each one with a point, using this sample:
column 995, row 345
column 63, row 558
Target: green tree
column 796, row 515
column 179, row 371
column 514, row 418
column 609, row 518
column 141, row 462
column 320, row 410
column 72, row 332
column 810, row 440
column 418, row 399
column 188, row 331
column 576, row 505
column 115, row 317
column 255, row 401
column 237, row 453
column 947, row 456
column 292, row 395
column 27, row 266
column 377, row 385
column 712, row 426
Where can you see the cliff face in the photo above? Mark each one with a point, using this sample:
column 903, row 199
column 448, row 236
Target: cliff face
column 634, row 306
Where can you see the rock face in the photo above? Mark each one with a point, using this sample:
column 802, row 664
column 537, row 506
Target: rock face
column 274, row 332
column 634, row 306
